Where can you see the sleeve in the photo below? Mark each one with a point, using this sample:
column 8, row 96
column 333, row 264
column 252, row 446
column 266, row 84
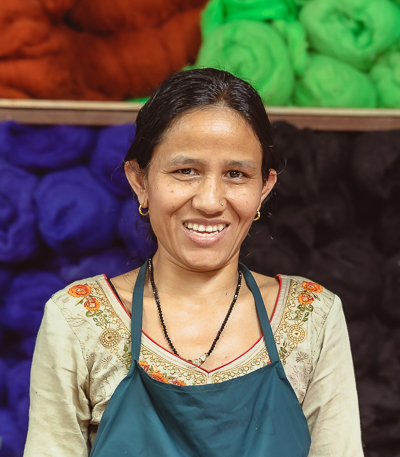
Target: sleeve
column 59, row 413
column 331, row 404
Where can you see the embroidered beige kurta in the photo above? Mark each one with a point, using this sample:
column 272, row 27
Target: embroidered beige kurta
column 83, row 352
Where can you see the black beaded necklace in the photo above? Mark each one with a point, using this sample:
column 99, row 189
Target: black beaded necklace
column 200, row 360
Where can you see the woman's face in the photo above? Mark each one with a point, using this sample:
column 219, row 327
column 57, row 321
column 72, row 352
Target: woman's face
column 203, row 188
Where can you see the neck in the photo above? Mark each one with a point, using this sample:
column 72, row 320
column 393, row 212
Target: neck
column 177, row 280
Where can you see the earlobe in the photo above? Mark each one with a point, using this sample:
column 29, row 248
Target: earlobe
column 136, row 178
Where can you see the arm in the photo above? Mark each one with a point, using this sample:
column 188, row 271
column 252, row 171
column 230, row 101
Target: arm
column 60, row 412
column 330, row 404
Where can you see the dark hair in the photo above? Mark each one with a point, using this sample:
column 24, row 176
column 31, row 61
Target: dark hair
column 200, row 88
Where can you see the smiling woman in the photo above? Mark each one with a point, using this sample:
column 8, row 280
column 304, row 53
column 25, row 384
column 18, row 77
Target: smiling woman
column 192, row 354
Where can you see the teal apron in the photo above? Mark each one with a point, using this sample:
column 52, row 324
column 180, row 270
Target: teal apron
column 255, row 415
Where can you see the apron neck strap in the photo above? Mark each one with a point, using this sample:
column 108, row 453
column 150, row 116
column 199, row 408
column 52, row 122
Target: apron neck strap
column 262, row 314
column 137, row 312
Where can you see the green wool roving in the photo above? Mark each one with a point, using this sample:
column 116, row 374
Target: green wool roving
column 386, row 75
column 218, row 12
column 328, row 82
column 354, row 31
column 294, row 35
column 255, row 52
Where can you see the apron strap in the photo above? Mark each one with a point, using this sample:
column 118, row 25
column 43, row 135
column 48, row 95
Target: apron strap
column 137, row 312
column 262, row 314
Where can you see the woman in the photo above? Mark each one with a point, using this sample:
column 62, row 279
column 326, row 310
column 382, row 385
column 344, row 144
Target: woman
column 204, row 375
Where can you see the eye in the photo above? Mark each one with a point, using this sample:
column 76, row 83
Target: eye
column 234, row 174
column 186, row 171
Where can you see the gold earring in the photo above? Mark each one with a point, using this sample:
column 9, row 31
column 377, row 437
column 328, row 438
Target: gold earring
column 141, row 212
column 258, row 215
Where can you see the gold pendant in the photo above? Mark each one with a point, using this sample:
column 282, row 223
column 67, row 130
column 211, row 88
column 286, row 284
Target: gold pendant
column 200, row 360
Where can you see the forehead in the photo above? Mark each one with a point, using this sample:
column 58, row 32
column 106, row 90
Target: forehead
column 215, row 130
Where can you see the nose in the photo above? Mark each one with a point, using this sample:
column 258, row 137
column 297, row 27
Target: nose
column 209, row 197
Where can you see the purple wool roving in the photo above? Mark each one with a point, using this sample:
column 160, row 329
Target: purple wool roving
column 76, row 214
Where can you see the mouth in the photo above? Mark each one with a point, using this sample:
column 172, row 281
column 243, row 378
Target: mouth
column 205, row 230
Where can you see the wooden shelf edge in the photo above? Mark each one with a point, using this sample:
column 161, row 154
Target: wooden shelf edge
column 47, row 112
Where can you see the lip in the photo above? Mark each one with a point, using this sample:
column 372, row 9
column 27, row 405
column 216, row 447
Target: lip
column 210, row 239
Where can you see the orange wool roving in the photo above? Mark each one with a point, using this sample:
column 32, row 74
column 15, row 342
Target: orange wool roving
column 67, row 49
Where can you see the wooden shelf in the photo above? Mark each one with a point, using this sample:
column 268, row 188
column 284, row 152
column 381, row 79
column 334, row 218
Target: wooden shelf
column 46, row 112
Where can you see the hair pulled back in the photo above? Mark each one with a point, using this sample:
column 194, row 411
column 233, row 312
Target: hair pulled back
column 196, row 89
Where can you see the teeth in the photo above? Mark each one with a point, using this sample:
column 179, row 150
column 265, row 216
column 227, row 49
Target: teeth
column 205, row 230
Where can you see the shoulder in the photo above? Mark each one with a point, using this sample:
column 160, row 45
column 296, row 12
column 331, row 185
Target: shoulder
column 83, row 291
column 307, row 307
column 308, row 292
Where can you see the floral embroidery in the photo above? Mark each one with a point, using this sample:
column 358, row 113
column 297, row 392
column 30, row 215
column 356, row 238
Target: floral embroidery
column 145, row 366
column 158, row 376
column 80, row 290
column 153, row 372
column 92, row 304
column 170, row 371
column 113, row 330
column 299, row 305
column 305, row 299
column 312, row 286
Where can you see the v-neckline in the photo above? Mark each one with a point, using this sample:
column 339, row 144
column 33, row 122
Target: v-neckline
column 170, row 355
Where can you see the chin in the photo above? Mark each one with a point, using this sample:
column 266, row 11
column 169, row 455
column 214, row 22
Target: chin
column 207, row 261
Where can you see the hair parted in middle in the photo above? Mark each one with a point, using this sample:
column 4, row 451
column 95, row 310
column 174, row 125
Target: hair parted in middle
column 200, row 89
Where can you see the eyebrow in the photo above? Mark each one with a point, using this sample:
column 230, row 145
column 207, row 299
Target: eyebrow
column 184, row 160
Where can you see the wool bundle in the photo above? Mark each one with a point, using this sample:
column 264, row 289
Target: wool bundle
column 114, row 16
column 18, row 392
column 331, row 83
column 3, row 380
column 111, row 262
column 376, row 175
column 218, row 12
column 18, row 235
column 253, row 51
column 311, row 162
column 353, row 31
column 391, row 290
column 134, row 230
column 387, row 233
column 45, row 58
column 23, row 306
column 12, row 439
column 76, row 215
column 45, row 148
column 269, row 256
column 26, row 347
column 5, row 278
column 107, row 159
column 386, row 75
column 349, row 268
column 380, row 412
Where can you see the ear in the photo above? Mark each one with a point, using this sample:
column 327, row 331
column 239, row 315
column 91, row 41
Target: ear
column 268, row 185
column 137, row 180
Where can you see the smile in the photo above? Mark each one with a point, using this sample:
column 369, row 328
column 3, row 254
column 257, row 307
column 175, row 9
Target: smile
column 205, row 230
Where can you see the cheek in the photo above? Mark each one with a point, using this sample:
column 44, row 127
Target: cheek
column 245, row 203
column 167, row 197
